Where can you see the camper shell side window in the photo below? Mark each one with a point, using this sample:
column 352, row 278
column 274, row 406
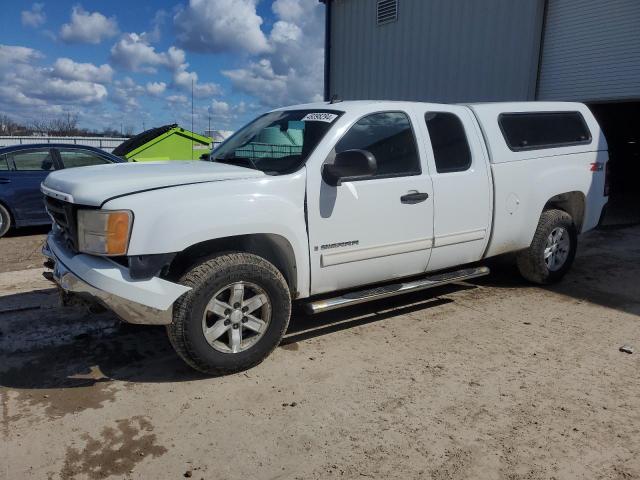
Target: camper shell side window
column 540, row 130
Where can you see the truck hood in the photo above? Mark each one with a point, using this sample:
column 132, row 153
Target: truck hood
column 94, row 185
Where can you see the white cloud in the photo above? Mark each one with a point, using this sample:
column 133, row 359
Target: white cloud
column 259, row 79
column 220, row 25
column 156, row 88
column 158, row 21
column 284, row 32
column 67, row 69
column 177, row 99
column 292, row 69
column 218, row 107
column 29, row 90
column 183, row 79
column 33, row 85
column 75, row 91
column 133, row 52
column 289, row 10
column 13, row 54
column 126, row 93
column 87, row 27
column 34, row 17
column 222, row 114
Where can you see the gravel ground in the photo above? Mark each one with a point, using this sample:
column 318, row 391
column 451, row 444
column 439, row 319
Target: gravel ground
column 20, row 249
column 490, row 379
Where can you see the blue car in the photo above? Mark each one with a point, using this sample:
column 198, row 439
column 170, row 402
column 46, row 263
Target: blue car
column 24, row 167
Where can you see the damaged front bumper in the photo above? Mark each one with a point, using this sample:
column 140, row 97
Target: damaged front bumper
column 102, row 280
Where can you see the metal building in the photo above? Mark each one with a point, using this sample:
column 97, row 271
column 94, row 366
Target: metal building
column 495, row 50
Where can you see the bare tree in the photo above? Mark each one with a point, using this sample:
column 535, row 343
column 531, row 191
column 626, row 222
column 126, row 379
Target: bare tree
column 10, row 127
column 39, row 126
column 128, row 130
column 64, row 125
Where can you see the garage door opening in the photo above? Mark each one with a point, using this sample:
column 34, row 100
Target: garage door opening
column 620, row 122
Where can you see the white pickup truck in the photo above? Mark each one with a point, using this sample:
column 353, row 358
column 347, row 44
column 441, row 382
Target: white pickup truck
column 326, row 204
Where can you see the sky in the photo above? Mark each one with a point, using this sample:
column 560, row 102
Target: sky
column 121, row 63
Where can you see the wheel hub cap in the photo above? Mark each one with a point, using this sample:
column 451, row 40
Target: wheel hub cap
column 236, row 317
column 557, row 248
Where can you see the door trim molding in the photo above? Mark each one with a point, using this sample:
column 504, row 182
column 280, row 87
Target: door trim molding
column 461, row 237
column 368, row 253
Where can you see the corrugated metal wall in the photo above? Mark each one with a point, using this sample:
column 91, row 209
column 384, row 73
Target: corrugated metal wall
column 591, row 50
column 438, row 50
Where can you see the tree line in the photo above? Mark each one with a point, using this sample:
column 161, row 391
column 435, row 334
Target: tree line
column 60, row 126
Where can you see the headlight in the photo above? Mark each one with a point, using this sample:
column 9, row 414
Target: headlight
column 104, row 232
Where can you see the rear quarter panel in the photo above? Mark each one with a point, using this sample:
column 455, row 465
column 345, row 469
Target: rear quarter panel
column 523, row 188
column 524, row 181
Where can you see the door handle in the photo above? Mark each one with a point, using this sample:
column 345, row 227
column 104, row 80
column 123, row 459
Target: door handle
column 414, row 197
column 4, row 180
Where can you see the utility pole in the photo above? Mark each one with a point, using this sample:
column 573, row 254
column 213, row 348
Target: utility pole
column 191, row 118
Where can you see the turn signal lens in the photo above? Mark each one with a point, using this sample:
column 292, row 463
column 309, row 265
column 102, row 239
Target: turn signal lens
column 118, row 233
column 104, row 232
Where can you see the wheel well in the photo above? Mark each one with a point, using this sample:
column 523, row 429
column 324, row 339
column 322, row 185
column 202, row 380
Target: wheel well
column 273, row 248
column 11, row 215
column 570, row 202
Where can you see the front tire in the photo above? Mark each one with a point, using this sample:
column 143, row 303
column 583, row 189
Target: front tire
column 5, row 220
column 235, row 315
column 552, row 250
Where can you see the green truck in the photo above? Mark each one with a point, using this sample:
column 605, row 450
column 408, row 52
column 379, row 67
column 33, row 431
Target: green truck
column 169, row 142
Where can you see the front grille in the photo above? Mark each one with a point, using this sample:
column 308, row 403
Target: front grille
column 64, row 214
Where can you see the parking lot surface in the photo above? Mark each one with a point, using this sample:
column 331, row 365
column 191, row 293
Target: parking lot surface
column 490, row 379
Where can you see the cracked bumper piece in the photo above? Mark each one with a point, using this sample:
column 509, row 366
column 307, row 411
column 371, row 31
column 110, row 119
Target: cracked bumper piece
column 147, row 302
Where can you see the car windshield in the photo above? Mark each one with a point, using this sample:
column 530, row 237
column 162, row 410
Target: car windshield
column 277, row 142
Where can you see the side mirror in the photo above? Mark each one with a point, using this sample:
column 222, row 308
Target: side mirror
column 348, row 166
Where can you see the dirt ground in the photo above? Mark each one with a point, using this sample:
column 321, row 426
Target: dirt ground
column 20, row 249
column 494, row 379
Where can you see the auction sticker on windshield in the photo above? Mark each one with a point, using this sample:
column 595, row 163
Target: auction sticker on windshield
column 320, row 117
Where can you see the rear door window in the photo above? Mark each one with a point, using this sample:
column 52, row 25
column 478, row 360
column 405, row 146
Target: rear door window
column 449, row 142
column 3, row 163
column 72, row 158
column 538, row 130
column 389, row 137
column 32, row 160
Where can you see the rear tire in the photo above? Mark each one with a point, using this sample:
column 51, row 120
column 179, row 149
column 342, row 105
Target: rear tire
column 5, row 220
column 235, row 315
column 552, row 250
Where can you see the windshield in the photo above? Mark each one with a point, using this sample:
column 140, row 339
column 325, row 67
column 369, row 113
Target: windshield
column 277, row 142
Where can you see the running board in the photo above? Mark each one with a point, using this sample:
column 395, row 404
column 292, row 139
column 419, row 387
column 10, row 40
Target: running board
column 376, row 293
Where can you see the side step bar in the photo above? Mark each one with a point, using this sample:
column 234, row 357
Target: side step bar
column 376, row 293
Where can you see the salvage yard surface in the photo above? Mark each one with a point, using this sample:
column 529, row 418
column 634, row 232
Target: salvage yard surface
column 490, row 379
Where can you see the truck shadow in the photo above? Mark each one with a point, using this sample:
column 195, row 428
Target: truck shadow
column 28, row 231
column 605, row 272
column 74, row 349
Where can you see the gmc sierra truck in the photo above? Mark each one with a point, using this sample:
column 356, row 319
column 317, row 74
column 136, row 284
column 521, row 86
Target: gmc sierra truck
column 329, row 205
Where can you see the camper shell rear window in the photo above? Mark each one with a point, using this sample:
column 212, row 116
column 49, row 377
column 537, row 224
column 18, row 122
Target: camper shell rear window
column 539, row 130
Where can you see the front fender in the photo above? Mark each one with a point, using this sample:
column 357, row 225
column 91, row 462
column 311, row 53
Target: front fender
column 173, row 219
